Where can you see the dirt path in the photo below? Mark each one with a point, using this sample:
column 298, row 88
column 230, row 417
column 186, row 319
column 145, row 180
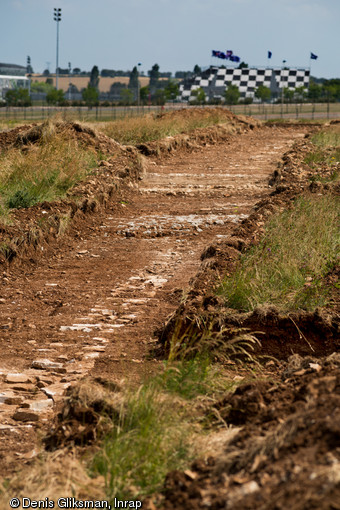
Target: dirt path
column 94, row 305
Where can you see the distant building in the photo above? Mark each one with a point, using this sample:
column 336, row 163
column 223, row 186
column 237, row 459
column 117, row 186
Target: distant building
column 12, row 76
column 12, row 69
column 215, row 80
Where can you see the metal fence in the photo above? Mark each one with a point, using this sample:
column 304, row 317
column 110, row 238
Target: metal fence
column 287, row 111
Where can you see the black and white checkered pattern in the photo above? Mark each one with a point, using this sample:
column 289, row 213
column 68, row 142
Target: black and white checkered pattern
column 215, row 80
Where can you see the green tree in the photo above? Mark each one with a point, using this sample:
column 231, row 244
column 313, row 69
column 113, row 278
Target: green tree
column 126, row 97
column 94, row 77
column 197, row 69
column 11, row 97
column 288, row 95
column 42, row 87
column 154, row 77
column 243, row 65
column 314, row 92
column 90, row 96
column 199, row 96
column 331, row 92
column 232, row 94
column 144, row 94
column 133, row 82
column 263, row 93
column 159, row 97
column 300, row 94
column 171, row 90
column 18, row 97
column 55, row 96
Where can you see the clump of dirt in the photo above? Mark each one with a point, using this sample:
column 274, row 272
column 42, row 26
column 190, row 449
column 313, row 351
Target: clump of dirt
column 227, row 125
column 88, row 411
column 287, row 453
column 83, row 134
column 9, row 137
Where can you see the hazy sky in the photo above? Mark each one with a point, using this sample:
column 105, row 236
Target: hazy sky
column 176, row 34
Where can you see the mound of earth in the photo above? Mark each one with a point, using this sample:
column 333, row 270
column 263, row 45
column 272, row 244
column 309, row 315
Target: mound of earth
column 9, row 137
column 223, row 114
column 287, row 453
column 82, row 133
column 227, row 124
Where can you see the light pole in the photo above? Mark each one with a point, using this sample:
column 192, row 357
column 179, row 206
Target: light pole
column 57, row 18
column 283, row 86
column 138, row 90
column 28, row 69
column 69, row 81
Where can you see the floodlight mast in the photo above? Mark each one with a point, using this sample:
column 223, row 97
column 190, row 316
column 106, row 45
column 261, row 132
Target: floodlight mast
column 57, row 18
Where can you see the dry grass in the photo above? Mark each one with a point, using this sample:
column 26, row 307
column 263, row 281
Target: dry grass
column 149, row 128
column 43, row 171
column 53, row 475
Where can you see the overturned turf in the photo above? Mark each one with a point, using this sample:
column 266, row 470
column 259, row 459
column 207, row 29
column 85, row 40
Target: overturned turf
column 287, row 453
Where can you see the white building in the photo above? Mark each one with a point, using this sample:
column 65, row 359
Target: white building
column 12, row 76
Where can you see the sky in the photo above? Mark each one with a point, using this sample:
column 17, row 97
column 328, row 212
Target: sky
column 175, row 34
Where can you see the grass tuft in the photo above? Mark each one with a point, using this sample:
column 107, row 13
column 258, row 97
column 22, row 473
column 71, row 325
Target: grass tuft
column 44, row 172
column 147, row 442
column 327, row 152
column 300, row 246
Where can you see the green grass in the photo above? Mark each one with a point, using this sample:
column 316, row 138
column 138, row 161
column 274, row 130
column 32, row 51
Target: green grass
column 43, row 173
column 155, row 430
column 299, row 247
column 188, row 378
column 327, row 152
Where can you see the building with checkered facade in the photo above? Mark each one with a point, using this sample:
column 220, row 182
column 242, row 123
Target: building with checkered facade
column 215, row 80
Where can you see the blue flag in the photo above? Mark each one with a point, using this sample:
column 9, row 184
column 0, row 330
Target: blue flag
column 269, row 54
column 313, row 56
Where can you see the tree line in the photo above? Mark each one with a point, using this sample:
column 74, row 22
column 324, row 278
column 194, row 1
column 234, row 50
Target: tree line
column 162, row 88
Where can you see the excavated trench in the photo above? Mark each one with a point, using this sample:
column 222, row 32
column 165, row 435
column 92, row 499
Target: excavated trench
column 93, row 305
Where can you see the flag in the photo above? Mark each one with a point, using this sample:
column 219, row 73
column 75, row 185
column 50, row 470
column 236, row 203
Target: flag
column 218, row 54
column 234, row 58
column 269, row 54
column 228, row 53
column 313, row 56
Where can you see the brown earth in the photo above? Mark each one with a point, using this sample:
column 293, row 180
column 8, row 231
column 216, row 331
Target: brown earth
column 287, row 453
column 90, row 301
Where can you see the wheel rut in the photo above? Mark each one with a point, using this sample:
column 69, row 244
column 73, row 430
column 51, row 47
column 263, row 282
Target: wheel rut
column 92, row 308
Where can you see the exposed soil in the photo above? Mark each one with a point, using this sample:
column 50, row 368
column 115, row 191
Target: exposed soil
column 287, row 452
column 139, row 251
column 282, row 334
column 89, row 302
